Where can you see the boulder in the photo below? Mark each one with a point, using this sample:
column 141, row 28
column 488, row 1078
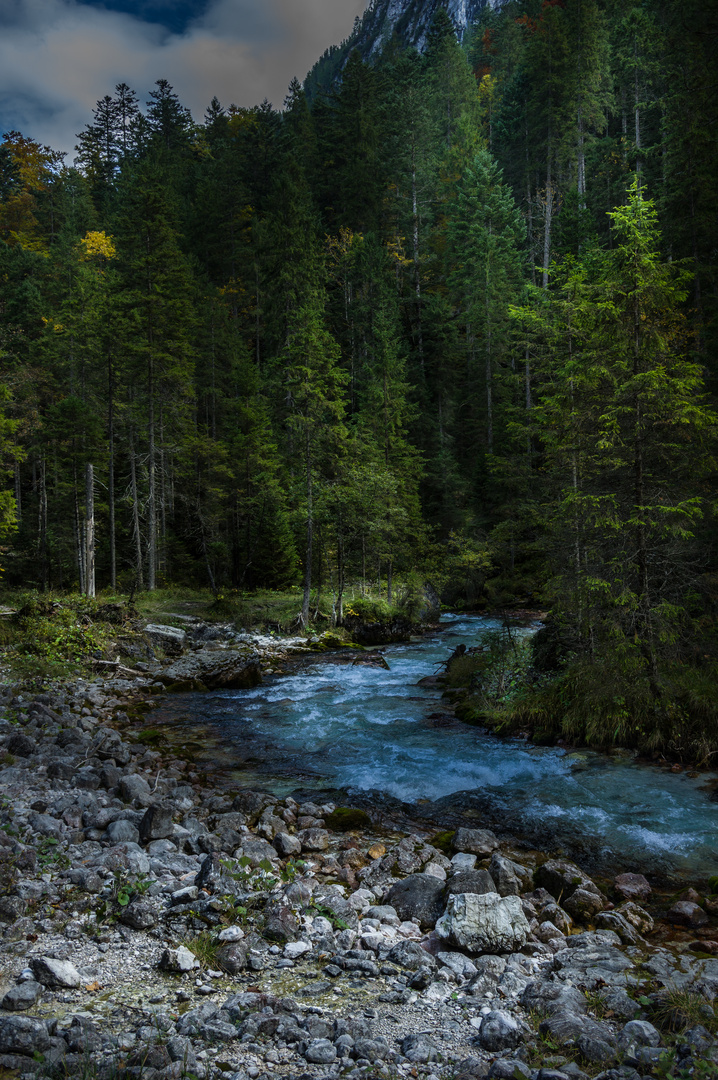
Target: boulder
column 287, row 845
column 314, row 839
column 485, row 923
column 139, row 915
column 419, row 1049
column 21, row 745
column 55, row 973
column 584, row 903
column 256, row 850
column 21, row 997
column 632, row 887
column 320, row 1052
column 499, row 1031
column 410, row 955
column 170, row 639
column 686, row 913
column 476, row 841
column 23, row 1035
column 215, row 669
column 177, row 960
column 470, row 881
column 232, row 957
column 157, row 823
column 122, row 832
column 134, row 789
column 511, row 877
column 419, row 896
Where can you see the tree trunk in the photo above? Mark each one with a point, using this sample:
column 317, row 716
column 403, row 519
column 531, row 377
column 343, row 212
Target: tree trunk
column 89, row 531
column 42, row 526
column 415, row 243
column 111, row 477
column 80, row 549
column 136, row 531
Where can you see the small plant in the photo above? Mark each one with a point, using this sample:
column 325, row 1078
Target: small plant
column 676, row 1010
column 204, row 947
column 248, row 876
column 49, row 854
column 126, row 888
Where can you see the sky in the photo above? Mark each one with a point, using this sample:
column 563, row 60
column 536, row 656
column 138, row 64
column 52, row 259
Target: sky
column 58, row 57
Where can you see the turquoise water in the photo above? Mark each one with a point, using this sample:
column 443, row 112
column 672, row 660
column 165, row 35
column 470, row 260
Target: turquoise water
column 368, row 730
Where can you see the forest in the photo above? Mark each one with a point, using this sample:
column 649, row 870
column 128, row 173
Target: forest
column 445, row 317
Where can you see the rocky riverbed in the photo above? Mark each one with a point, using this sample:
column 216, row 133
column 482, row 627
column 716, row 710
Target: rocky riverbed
column 160, row 923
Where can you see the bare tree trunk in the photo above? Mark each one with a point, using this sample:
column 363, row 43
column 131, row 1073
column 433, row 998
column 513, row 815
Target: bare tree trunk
column 89, row 531
column 42, row 526
column 80, row 550
column 136, row 530
column 151, row 485
column 111, row 477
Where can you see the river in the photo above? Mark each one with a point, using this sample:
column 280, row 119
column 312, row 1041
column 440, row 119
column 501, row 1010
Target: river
column 368, row 733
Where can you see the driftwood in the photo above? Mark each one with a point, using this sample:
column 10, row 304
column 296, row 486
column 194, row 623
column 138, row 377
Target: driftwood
column 114, row 666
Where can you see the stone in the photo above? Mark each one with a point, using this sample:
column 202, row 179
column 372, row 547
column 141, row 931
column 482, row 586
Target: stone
column 385, row 913
column 548, row 997
column 435, row 870
column 231, row 933
column 170, row 639
column 214, row 669
column 122, row 832
column 320, row 1052
column 314, row 839
column 638, row 1033
column 636, row 916
column 511, row 878
column 583, row 903
column 256, row 850
column 134, row 789
column 560, row 878
column 419, row 896
column 686, row 913
column 419, row 1049
column 485, row 923
column 511, row 1069
column 186, row 895
column 458, row 963
column 55, row 973
column 21, row 997
column 287, row 845
column 280, row 923
column 177, row 960
column 157, row 823
column 23, row 1035
column 232, row 956
column 139, row 915
column 476, row 841
column 294, row 949
column 499, row 1031
column 612, row 920
column 410, row 956
column 463, row 860
column 21, row 745
column 470, row 881
column 632, row 887
column 371, row 1050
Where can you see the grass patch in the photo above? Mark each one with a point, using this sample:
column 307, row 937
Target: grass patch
column 675, row 1011
column 204, row 948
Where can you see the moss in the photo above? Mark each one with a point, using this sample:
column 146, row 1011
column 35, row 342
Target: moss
column 442, row 841
column 346, row 818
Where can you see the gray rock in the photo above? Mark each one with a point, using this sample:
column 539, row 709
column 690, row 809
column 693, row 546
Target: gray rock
column 168, row 638
column 157, row 823
column 187, row 895
column 410, row 956
column 139, row 915
column 686, row 913
column 511, row 878
column 23, row 1035
column 633, row 887
column 177, row 960
column 287, row 845
column 385, row 913
column 419, row 896
column 476, row 841
column 232, row 957
column 314, row 839
column 21, row 997
column 21, row 745
column 543, row 995
column 257, row 850
column 484, row 923
column 584, row 903
column 419, row 1049
column 470, row 881
column 371, row 1050
column 458, row 963
column 215, row 669
column 612, row 920
column 55, row 973
column 639, row 1033
column 134, row 789
column 320, row 1052
column 122, row 832
column 499, row 1031
column 509, row 1069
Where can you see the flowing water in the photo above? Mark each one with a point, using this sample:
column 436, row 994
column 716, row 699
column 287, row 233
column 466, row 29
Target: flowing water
column 365, row 730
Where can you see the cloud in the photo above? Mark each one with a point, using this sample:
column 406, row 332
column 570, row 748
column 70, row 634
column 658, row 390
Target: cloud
column 57, row 57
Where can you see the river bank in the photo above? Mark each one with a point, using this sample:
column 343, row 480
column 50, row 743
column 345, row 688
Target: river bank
column 157, row 923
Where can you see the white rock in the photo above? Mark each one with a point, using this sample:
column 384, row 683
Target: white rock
column 484, row 923
column 463, row 861
column 180, row 959
column 51, row 972
column 231, row 933
column 459, row 964
column 294, row 949
column 435, row 870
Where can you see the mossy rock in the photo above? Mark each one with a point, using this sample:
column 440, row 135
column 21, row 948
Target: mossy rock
column 442, row 841
column 347, row 818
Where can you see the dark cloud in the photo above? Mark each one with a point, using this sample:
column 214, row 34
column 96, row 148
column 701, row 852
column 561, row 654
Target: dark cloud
column 57, row 57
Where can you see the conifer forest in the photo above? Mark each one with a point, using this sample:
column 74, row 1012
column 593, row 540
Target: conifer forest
column 448, row 316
